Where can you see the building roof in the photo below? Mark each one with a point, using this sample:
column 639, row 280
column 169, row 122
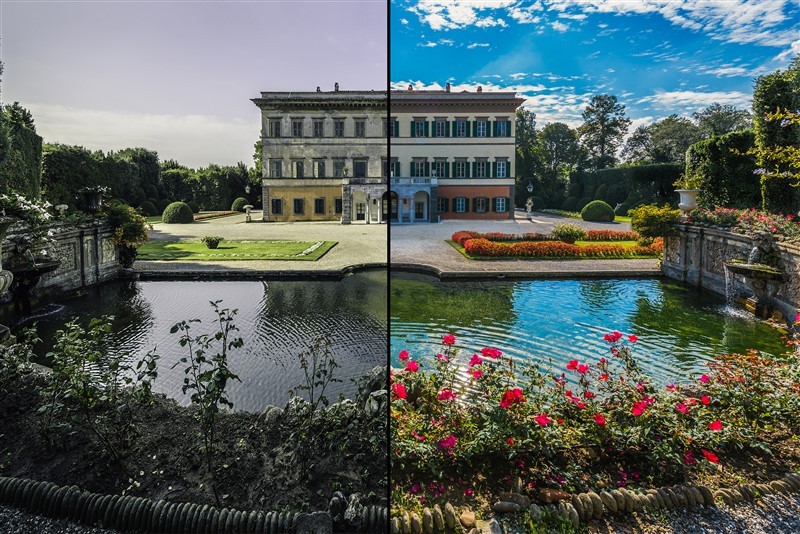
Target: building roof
column 337, row 98
column 447, row 97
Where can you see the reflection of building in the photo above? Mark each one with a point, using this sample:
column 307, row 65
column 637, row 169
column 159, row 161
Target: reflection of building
column 324, row 156
column 452, row 155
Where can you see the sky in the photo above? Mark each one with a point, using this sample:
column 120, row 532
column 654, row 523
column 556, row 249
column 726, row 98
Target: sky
column 177, row 76
column 658, row 57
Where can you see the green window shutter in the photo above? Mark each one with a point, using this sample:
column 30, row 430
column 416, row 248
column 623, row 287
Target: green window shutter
column 474, row 128
column 396, row 128
column 427, row 168
column 508, row 128
column 425, row 128
column 494, row 169
column 475, row 205
column 446, row 205
column 413, row 129
column 466, row 205
column 466, row 169
column 447, row 128
column 494, row 129
column 396, row 168
column 413, row 169
column 494, row 205
column 475, row 168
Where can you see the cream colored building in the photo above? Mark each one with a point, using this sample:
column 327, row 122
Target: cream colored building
column 324, row 156
column 452, row 155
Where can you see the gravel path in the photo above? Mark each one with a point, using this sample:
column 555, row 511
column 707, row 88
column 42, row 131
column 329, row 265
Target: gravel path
column 358, row 244
column 14, row 521
column 424, row 245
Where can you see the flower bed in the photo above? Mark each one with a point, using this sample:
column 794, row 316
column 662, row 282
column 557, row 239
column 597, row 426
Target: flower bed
column 467, row 430
column 748, row 221
column 557, row 249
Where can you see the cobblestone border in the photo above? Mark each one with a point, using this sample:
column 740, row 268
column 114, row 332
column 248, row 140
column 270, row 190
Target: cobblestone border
column 582, row 508
column 127, row 513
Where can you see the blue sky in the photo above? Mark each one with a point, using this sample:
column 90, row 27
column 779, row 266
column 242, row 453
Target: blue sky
column 177, row 76
column 657, row 56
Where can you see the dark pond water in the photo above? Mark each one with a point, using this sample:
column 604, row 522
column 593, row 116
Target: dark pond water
column 277, row 320
column 679, row 327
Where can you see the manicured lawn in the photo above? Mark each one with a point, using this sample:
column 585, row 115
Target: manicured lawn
column 576, row 215
column 625, row 244
column 204, row 216
column 153, row 219
column 235, row 250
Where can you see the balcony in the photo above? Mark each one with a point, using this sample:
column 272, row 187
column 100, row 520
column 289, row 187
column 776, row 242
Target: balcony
column 417, row 180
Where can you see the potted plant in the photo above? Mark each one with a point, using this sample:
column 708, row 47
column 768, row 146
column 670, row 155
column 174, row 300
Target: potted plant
column 212, row 241
column 93, row 197
column 568, row 232
column 688, row 187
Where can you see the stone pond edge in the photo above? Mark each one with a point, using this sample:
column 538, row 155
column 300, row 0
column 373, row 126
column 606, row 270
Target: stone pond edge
column 584, row 507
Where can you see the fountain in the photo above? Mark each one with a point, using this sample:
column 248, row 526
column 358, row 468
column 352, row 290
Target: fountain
column 26, row 277
column 763, row 280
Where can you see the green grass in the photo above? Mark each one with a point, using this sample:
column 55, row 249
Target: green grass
column 234, row 250
column 626, row 244
column 153, row 219
column 156, row 219
column 576, row 215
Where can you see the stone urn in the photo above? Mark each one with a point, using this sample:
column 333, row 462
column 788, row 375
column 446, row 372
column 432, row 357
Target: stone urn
column 92, row 200
column 764, row 281
column 6, row 277
column 688, row 199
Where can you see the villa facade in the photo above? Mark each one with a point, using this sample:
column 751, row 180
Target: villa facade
column 324, row 156
column 452, row 155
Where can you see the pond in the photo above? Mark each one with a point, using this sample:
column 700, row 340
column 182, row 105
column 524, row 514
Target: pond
column 680, row 328
column 277, row 320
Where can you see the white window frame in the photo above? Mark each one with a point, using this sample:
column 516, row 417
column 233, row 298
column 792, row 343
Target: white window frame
column 500, row 204
column 440, row 128
column 461, row 127
column 481, row 200
column 461, row 169
column 419, row 128
column 460, row 205
column 362, row 125
column 480, row 169
column 501, row 129
column 481, row 129
column 502, row 169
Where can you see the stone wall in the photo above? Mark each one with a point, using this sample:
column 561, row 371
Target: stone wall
column 697, row 256
column 88, row 256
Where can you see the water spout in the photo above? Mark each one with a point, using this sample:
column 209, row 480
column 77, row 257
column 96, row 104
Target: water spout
column 754, row 256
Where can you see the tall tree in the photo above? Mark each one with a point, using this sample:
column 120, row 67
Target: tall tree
column 638, row 148
column 604, row 127
column 719, row 119
column 559, row 153
column 526, row 158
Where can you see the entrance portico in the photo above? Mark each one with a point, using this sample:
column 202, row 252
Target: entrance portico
column 414, row 198
column 363, row 200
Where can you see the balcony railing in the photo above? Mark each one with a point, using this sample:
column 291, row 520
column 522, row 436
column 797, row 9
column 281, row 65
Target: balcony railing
column 414, row 180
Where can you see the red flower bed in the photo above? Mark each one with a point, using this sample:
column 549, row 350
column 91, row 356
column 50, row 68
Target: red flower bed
column 556, row 249
column 591, row 235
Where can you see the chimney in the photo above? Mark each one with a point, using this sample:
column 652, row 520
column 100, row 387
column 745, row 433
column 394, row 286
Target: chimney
column 447, row 87
column 318, row 89
column 480, row 89
column 336, row 86
column 410, row 87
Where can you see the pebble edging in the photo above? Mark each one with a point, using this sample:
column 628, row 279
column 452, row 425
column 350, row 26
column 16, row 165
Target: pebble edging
column 585, row 507
column 127, row 513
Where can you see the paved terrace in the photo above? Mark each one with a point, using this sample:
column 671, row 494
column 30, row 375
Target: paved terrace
column 422, row 247
column 359, row 245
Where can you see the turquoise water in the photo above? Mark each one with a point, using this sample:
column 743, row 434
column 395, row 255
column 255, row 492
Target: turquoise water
column 679, row 327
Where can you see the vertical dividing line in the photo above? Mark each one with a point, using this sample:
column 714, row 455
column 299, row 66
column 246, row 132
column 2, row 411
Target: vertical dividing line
column 388, row 264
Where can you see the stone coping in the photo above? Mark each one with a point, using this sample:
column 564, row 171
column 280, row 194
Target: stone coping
column 578, row 269
column 223, row 272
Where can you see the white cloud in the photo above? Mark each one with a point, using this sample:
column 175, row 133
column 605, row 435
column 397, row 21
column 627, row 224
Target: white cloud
column 559, row 27
column 695, row 100
column 793, row 50
column 452, row 14
column 404, row 21
column 477, row 45
column 193, row 140
column 517, row 75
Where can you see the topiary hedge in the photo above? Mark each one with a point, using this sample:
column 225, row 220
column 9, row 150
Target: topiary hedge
column 582, row 203
column 148, row 208
column 597, row 211
column 162, row 205
column 537, row 203
column 615, row 194
column 239, row 204
column 570, row 204
column 177, row 213
column 195, row 207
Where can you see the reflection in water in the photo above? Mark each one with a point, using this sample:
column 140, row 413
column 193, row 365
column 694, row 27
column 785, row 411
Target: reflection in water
column 552, row 321
column 277, row 320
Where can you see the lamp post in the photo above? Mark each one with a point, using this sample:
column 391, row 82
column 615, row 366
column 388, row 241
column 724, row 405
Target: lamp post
column 530, row 187
column 247, row 189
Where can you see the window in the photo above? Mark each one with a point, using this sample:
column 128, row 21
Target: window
column 481, row 204
column 360, row 168
column 275, row 128
column 384, row 167
column 441, row 205
column 461, row 169
column 385, row 128
column 338, row 128
column 319, row 168
column 440, row 129
column 419, row 128
column 277, row 206
column 297, row 128
column 418, row 168
column 337, row 206
column 440, row 167
column 481, row 129
column 500, row 205
column 461, row 128
column 276, row 168
column 299, row 169
column 460, row 205
column 480, row 169
column 502, row 171
column 394, row 129
column 338, row 168
column 319, row 128
column 502, row 129
column 299, row 206
column 319, row 206
column 361, row 128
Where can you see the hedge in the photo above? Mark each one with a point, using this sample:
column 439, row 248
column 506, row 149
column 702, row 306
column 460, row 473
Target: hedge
column 639, row 184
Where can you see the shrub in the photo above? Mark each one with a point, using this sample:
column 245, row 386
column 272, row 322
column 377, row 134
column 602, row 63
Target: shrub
column 568, row 232
column 615, row 195
column 151, row 191
column 130, row 231
column 558, row 249
column 651, row 221
column 177, row 213
column 239, row 204
column 597, row 211
column 163, row 204
column 153, row 201
column 212, row 241
column 610, row 235
column 537, row 203
column 622, row 209
column 600, row 194
column 582, row 203
column 195, row 207
column 570, row 204
column 148, row 208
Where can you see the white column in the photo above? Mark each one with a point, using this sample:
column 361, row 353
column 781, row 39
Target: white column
column 367, row 214
column 399, row 209
column 411, row 215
